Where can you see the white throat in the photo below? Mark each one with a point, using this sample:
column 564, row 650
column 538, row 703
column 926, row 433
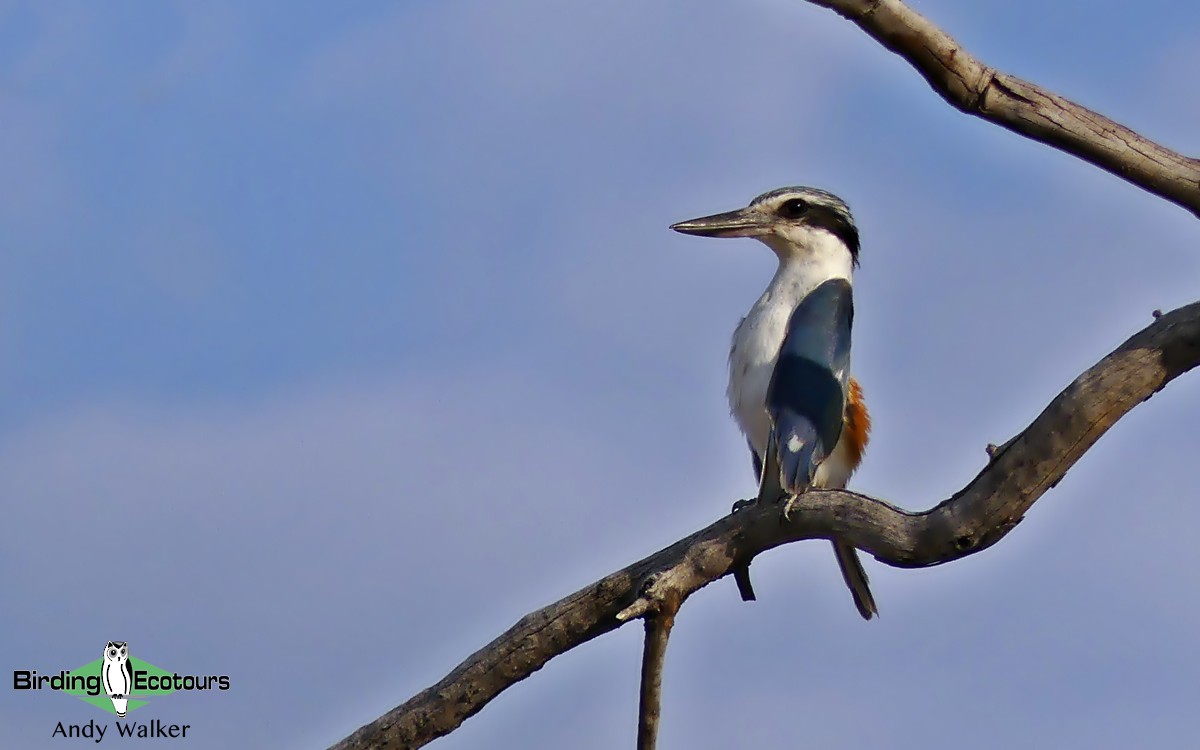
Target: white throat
column 824, row 257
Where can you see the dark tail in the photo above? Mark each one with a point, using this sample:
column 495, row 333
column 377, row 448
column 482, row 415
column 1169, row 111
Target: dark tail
column 856, row 579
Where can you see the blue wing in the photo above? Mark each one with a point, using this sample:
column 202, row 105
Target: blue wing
column 807, row 395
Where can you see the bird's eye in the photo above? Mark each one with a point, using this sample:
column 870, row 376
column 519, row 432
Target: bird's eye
column 792, row 209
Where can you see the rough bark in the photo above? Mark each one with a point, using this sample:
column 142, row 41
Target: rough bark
column 978, row 516
column 1022, row 107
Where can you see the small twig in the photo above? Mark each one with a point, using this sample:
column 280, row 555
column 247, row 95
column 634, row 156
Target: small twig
column 741, row 576
column 658, row 631
column 994, row 450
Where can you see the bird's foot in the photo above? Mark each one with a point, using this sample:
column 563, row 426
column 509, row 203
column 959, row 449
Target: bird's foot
column 742, row 504
column 789, row 502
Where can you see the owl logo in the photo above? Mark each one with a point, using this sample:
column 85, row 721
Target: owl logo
column 118, row 675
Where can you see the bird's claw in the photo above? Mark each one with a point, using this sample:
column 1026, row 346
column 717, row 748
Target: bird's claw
column 789, row 502
column 742, row 505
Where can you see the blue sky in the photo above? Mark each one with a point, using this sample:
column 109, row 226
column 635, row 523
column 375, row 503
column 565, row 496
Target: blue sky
column 333, row 339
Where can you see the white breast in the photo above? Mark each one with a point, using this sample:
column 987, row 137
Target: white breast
column 752, row 359
column 758, row 338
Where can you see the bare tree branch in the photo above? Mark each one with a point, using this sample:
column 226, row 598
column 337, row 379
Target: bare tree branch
column 1018, row 473
column 973, row 519
column 658, row 631
column 972, row 87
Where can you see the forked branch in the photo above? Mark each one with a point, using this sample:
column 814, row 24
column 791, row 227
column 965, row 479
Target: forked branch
column 658, row 631
column 973, row 519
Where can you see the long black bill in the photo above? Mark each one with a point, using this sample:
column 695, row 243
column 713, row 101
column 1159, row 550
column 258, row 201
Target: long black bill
column 740, row 223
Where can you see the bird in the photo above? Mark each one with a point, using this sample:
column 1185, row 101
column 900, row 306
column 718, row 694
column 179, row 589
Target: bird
column 790, row 389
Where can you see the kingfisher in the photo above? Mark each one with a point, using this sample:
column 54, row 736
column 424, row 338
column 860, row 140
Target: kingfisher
column 790, row 388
